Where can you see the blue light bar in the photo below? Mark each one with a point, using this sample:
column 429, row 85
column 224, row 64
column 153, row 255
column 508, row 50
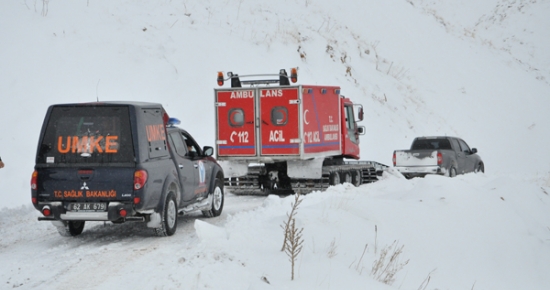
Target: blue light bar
column 173, row 122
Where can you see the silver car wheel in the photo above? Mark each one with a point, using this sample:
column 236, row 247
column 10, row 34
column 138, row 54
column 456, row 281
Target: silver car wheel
column 171, row 215
column 217, row 198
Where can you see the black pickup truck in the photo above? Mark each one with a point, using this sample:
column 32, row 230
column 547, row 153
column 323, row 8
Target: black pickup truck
column 121, row 162
column 447, row 156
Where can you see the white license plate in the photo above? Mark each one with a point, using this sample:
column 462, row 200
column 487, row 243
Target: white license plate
column 87, row 206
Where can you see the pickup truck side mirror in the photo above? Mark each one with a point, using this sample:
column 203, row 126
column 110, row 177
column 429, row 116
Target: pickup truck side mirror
column 474, row 150
column 208, row 151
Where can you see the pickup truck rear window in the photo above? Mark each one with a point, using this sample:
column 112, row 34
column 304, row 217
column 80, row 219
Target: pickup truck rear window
column 76, row 135
column 433, row 144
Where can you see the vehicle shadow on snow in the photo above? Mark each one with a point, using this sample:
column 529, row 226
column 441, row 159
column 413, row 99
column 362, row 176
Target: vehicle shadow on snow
column 107, row 232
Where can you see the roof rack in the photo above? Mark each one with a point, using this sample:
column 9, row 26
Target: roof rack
column 283, row 78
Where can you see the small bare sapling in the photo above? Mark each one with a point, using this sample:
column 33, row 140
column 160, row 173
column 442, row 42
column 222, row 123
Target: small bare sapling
column 293, row 243
column 290, row 216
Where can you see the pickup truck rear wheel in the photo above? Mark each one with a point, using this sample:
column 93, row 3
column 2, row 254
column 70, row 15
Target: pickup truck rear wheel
column 71, row 228
column 452, row 172
column 217, row 200
column 169, row 217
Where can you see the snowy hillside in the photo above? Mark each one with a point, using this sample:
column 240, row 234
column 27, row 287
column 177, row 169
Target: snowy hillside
column 479, row 70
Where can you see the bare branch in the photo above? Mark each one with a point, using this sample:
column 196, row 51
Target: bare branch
column 290, row 216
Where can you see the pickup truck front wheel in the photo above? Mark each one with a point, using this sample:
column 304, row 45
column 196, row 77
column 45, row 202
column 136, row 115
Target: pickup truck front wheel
column 169, row 217
column 480, row 168
column 217, row 200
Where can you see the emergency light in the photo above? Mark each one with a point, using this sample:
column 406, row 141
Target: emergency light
column 294, row 75
column 220, row 78
column 173, row 121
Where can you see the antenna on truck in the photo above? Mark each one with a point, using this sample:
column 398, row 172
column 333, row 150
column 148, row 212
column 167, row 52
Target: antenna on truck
column 284, row 79
column 96, row 94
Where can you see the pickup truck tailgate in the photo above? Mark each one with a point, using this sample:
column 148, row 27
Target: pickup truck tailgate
column 416, row 158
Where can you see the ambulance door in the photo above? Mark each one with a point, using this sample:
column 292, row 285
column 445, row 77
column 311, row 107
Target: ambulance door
column 321, row 115
column 235, row 122
column 279, row 121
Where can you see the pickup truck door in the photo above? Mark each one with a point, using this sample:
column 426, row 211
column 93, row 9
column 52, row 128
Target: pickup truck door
column 201, row 164
column 186, row 170
column 468, row 163
column 459, row 155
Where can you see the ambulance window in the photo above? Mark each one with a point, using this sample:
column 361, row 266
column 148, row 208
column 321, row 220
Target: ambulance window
column 350, row 123
column 279, row 116
column 236, row 117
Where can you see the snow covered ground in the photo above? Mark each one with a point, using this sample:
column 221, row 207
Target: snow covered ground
column 478, row 70
column 470, row 232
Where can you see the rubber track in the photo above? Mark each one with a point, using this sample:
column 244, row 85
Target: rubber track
column 250, row 185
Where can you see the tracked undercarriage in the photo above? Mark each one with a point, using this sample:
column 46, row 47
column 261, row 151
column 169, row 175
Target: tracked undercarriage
column 264, row 179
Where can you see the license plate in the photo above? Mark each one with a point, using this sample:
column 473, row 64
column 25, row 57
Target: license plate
column 87, row 206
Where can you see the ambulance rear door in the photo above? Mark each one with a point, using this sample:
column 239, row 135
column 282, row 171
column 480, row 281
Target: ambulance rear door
column 235, row 122
column 279, row 120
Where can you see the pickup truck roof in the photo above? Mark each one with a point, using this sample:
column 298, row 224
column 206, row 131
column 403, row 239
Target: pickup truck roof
column 436, row 137
column 136, row 105
column 124, row 103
